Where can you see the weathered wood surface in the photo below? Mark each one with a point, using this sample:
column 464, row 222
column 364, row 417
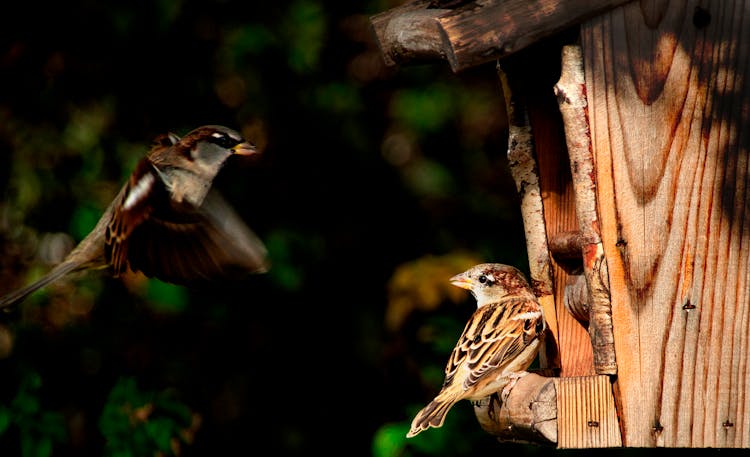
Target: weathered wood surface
column 566, row 246
column 529, row 414
column 571, row 412
column 668, row 107
column 577, row 300
column 483, row 31
column 409, row 33
column 472, row 33
column 586, row 414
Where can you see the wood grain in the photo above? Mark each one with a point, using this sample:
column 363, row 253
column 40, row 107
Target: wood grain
column 586, row 414
column 668, row 108
column 484, row 31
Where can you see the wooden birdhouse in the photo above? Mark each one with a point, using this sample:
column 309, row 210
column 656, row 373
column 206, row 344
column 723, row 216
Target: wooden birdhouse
column 629, row 144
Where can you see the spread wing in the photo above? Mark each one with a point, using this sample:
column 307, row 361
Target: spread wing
column 494, row 337
column 177, row 242
column 180, row 243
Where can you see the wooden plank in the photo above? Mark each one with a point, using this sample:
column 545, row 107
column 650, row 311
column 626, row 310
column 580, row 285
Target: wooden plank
column 669, row 107
column 586, row 414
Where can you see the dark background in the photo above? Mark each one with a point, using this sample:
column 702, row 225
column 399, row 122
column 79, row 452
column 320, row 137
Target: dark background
column 374, row 187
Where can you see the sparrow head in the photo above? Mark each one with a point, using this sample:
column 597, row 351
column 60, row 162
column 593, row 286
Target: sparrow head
column 211, row 145
column 489, row 282
column 188, row 165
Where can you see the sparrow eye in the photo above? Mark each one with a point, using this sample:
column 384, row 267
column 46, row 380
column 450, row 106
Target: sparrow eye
column 482, row 279
column 223, row 140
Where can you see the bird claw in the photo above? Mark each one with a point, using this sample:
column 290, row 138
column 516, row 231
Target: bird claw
column 514, row 377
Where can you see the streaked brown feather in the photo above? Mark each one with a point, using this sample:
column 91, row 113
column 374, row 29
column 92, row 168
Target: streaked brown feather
column 501, row 339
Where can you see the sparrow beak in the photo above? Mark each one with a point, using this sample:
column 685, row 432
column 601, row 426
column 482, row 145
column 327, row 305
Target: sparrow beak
column 462, row 281
column 245, row 149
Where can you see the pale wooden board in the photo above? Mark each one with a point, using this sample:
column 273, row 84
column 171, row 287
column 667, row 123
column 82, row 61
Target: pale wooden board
column 669, row 108
column 586, row 414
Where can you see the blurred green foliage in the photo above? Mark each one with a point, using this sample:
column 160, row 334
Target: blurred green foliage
column 304, row 30
column 137, row 423
column 37, row 428
column 165, row 297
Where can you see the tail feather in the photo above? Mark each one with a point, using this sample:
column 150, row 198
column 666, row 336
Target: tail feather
column 15, row 297
column 432, row 415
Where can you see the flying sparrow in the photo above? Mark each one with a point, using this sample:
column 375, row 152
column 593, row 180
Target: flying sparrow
column 499, row 342
column 166, row 221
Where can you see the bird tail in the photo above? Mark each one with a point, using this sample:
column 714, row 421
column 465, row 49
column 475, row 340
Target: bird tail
column 19, row 295
column 432, row 415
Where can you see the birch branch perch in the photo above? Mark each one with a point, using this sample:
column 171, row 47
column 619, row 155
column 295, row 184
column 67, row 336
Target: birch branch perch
column 571, row 97
column 524, row 170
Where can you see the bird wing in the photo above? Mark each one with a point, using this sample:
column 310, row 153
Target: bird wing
column 179, row 243
column 175, row 241
column 132, row 206
column 494, row 336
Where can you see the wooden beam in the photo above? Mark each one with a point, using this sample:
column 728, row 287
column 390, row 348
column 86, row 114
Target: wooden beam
column 484, row 31
column 472, row 33
column 409, row 33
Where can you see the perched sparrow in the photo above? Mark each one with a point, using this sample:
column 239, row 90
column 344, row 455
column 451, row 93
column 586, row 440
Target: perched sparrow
column 166, row 221
column 497, row 345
